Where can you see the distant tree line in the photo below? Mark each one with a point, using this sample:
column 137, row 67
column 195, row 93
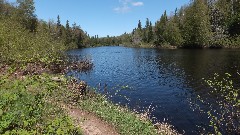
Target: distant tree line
column 200, row 24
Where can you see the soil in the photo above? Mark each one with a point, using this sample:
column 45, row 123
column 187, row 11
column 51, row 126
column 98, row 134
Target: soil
column 89, row 123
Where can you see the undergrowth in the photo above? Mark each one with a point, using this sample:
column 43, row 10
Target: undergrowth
column 25, row 108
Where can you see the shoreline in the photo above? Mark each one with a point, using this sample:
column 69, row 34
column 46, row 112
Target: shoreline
column 120, row 118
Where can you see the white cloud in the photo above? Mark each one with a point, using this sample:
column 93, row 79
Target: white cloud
column 126, row 5
column 137, row 4
column 123, row 9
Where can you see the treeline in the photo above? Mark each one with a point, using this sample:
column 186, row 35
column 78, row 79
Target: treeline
column 200, row 24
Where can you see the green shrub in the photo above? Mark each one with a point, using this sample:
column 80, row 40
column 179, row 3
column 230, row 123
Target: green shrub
column 19, row 45
column 24, row 110
column 224, row 111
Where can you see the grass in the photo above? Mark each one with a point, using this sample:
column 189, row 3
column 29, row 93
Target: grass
column 125, row 121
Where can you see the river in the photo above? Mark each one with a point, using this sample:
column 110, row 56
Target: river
column 165, row 80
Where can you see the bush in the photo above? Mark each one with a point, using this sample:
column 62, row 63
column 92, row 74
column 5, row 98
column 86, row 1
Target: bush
column 224, row 111
column 19, row 45
column 24, row 110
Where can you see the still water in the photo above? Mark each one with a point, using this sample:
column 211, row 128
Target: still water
column 165, row 80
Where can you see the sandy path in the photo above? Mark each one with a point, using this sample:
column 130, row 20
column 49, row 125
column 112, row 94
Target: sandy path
column 90, row 124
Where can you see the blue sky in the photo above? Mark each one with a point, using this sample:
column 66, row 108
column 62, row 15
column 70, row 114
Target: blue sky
column 105, row 17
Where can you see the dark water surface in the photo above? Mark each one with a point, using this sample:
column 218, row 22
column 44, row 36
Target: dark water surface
column 164, row 79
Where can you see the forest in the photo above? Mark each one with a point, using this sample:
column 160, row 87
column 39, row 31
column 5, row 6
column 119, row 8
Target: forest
column 200, row 24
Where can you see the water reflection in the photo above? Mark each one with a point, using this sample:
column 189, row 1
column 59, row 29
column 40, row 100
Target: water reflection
column 164, row 78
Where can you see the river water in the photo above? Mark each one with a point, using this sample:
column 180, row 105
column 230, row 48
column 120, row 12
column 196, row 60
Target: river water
column 166, row 81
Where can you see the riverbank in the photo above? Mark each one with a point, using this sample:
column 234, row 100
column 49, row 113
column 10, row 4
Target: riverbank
column 49, row 89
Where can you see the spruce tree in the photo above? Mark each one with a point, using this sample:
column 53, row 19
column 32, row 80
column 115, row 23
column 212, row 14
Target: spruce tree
column 139, row 25
column 147, row 23
column 68, row 33
column 59, row 29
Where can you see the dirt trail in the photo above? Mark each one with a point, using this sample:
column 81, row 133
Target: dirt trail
column 90, row 124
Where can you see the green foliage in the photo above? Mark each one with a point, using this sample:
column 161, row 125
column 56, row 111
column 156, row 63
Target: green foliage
column 172, row 34
column 160, row 27
column 61, row 126
column 19, row 45
column 196, row 25
column 234, row 25
column 24, row 110
column 224, row 113
column 25, row 14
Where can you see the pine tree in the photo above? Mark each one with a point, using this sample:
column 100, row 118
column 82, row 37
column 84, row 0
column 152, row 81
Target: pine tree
column 68, row 33
column 147, row 23
column 139, row 25
column 59, row 29
column 58, row 21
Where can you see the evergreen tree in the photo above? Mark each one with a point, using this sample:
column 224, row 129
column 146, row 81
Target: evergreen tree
column 78, row 35
column 147, row 31
column 139, row 25
column 147, row 23
column 197, row 31
column 160, row 27
column 58, row 21
column 68, row 33
column 59, row 29
column 150, row 32
column 172, row 33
